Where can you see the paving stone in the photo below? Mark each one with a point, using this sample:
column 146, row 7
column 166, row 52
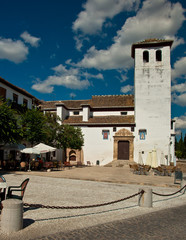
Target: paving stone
column 165, row 224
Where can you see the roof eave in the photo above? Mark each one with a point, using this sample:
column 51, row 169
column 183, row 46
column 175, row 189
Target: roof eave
column 150, row 44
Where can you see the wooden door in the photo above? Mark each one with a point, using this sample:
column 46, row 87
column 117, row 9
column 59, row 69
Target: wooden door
column 123, row 150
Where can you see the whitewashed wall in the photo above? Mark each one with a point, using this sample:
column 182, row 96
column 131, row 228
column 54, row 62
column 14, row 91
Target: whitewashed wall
column 152, row 103
column 95, row 147
column 111, row 113
column 9, row 95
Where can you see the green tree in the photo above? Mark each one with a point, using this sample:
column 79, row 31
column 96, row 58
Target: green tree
column 180, row 147
column 69, row 137
column 34, row 126
column 184, row 147
column 51, row 128
column 10, row 131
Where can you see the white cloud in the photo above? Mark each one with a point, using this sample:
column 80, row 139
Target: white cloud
column 156, row 19
column 13, row 50
column 179, row 69
column 69, row 78
column 68, row 81
column 33, row 41
column 179, row 99
column 180, row 88
column 180, row 122
column 95, row 12
column 123, row 78
column 127, row 88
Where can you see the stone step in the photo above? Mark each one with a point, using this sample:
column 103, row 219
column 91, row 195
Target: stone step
column 118, row 163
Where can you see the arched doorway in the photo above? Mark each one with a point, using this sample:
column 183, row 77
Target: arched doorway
column 72, row 155
column 123, row 145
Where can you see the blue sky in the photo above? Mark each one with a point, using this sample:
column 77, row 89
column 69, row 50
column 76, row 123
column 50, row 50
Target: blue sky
column 78, row 48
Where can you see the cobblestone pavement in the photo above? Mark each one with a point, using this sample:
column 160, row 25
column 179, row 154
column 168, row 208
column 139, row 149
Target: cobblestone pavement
column 165, row 224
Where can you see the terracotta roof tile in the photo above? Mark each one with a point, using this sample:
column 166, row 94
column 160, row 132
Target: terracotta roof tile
column 95, row 102
column 101, row 120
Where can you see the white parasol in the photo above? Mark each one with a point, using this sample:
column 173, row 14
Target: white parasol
column 140, row 159
column 149, row 159
column 30, row 151
column 43, row 148
column 162, row 159
column 154, row 159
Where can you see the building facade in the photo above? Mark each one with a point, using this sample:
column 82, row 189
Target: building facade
column 121, row 127
column 107, row 123
column 17, row 95
column 19, row 98
column 127, row 127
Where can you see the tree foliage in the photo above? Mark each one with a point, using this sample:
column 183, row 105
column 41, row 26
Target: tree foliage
column 51, row 128
column 10, row 131
column 69, row 137
column 34, row 126
column 180, row 147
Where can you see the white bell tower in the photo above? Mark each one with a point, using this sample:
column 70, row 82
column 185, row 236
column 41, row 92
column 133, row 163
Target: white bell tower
column 152, row 83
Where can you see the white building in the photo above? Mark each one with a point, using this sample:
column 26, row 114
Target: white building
column 127, row 127
column 16, row 95
column 121, row 127
column 107, row 123
column 19, row 97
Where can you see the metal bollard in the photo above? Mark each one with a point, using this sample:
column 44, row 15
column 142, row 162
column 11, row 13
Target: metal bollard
column 145, row 199
column 12, row 215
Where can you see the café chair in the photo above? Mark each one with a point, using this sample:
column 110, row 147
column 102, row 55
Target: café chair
column 20, row 189
column 2, row 191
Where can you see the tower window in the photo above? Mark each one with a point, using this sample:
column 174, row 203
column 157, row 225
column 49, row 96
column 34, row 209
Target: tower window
column 158, row 56
column 145, row 56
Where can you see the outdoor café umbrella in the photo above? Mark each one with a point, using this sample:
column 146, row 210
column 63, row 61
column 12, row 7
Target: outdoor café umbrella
column 149, row 159
column 154, row 159
column 140, row 160
column 30, row 151
column 43, row 148
column 162, row 159
column 14, row 146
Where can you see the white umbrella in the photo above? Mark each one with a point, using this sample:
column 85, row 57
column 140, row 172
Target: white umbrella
column 14, row 146
column 162, row 159
column 43, row 148
column 154, row 159
column 30, row 151
column 149, row 159
column 140, row 160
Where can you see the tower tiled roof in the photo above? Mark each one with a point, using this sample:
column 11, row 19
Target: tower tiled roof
column 151, row 42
